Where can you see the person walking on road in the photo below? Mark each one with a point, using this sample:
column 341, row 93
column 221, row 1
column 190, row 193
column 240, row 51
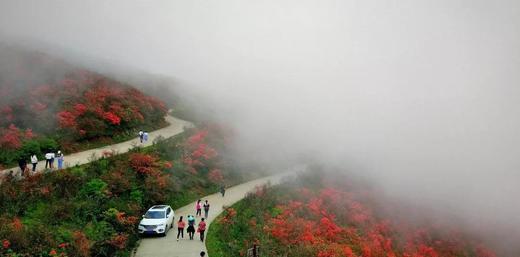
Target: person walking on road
column 223, row 190
column 202, row 229
column 180, row 228
column 145, row 137
column 48, row 157
column 141, row 136
column 34, row 161
column 202, row 254
column 198, row 208
column 191, row 226
column 22, row 163
column 60, row 160
column 206, row 209
column 53, row 156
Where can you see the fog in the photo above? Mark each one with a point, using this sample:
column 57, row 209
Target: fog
column 422, row 97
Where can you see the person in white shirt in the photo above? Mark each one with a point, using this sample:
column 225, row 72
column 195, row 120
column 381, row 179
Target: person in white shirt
column 48, row 157
column 145, row 136
column 141, row 136
column 34, row 161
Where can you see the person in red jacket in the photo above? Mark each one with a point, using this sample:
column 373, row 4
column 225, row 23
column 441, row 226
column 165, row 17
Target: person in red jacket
column 202, row 229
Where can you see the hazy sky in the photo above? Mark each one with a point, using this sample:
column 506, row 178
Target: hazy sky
column 423, row 96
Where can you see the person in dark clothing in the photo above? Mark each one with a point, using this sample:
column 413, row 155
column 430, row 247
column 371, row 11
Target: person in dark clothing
column 202, row 254
column 191, row 226
column 22, row 163
column 206, row 209
column 223, row 190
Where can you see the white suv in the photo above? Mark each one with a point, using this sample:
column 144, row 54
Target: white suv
column 157, row 220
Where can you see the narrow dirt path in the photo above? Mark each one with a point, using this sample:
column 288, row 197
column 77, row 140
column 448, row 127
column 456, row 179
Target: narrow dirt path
column 176, row 127
column 169, row 246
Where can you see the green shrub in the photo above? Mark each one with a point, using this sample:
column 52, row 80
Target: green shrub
column 47, row 144
column 30, row 147
column 95, row 188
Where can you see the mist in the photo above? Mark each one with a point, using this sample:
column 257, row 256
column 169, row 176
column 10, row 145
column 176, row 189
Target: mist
column 421, row 97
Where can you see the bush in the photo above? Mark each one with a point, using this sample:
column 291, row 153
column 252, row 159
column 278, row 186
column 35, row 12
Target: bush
column 47, row 144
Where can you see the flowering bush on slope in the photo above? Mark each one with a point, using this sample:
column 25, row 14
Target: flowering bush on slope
column 69, row 105
column 93, row 209
column 332, row 220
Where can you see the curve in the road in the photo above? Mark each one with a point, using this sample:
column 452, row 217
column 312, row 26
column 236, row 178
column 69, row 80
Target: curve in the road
column 169, row 246
column 175, row 127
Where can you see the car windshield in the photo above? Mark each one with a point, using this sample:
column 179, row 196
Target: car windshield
column 154, row 215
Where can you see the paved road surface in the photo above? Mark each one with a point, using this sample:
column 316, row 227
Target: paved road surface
column 176, row 127
column 168, row 246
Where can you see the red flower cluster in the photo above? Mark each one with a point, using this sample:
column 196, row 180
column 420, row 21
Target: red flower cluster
column 229, row 214
column 6, row 244
column 336, row 224
column 144, row 163
column 119, row 241
column 106, row 105
column 12, row 137
column 85, row 104
column 216, row 176
column 199, row 153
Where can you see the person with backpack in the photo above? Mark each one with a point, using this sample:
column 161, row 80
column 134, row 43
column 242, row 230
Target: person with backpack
column 206, row 209
column 145, row 137
column 198, row 208
column 202, row 229
column 180, row 228
column 191, row 226
column 34, row 162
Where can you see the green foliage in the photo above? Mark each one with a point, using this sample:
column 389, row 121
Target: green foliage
column 31, row 147
column 102, row 199
column 47, row 144
column 99, row 231
column 95, row 188
column 37, row 146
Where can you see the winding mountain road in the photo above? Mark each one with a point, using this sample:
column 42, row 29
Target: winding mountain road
column 170, row 247
column 175, row 127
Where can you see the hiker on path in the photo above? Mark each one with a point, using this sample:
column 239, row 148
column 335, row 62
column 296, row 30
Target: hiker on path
column 223, row 190
column 48, row 157
column 34, row 161
column 202, row 254
column 202, row 229
column 206, row 209
column 141, row 136
column 180, row 228
column 60, row 160
column 53, row 156
column 191, row 226
column 198, row 208
column 22, row 163
column 145, row 137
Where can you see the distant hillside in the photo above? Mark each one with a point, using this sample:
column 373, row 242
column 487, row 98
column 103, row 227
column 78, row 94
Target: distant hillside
column 48, row 103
